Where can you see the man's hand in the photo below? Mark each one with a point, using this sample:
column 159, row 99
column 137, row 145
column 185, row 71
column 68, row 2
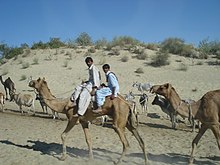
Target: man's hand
column 112, row 97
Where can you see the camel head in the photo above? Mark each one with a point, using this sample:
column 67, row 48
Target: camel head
column 37, row 84
column 163, row 90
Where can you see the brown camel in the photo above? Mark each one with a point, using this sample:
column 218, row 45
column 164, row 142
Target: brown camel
column 8, row 84
column 118, row 109
column 206, row 110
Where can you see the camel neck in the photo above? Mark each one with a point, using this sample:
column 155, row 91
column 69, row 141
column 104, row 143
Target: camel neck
column 179, row 106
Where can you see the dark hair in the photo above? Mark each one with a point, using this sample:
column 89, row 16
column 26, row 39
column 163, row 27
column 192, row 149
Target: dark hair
column 106, row 66
column 88, row 59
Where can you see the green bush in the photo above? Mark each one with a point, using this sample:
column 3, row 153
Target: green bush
column 55, row 43
column 123, row 41
column 40, row 45
column 99, row 44
column 160, row 59
column 84, row 40
column 139, row 70
column 172, row 45
column 124, row 59
column 23, row 77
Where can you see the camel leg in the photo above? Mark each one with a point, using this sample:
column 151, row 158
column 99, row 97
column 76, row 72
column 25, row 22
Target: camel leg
column 6, row 93
column 139, row 139
column 216, row 132
column 71, row 123
column 121, row 134
column 85, row 126
column 195, row 142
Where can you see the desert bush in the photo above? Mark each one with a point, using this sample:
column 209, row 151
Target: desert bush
column 35, row 61
column 160, row 59
column 55, row 43
column 139, row 70
column 99, row 44
column 152, row 46
column 65, row 64
column 27, row 52
column 187, row 51
column 91, row 50
column 216, row 62
column 124, row 59
column 23, row 77
column 199, row 63
column 115, row 51
column 137, row 50
column 39, row 45
column 142, row 56
column 123, row 41
column 25, row 65
column 183, row 67
column 83, row 40
column 172, row 45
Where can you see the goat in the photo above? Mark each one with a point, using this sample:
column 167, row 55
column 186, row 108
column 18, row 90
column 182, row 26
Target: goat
column 44, row 106
column 22, row 99
column 142, row 86
column 130, row 98
column 168, row 109
column 143, row 102
column 2, row 101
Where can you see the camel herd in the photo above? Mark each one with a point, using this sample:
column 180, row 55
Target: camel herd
column 206, row 110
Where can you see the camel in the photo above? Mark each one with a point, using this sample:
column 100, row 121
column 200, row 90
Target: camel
column 206, row 110
column 8, row 84
column 118, row 109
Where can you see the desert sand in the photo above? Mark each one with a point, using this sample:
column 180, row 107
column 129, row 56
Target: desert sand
column 35, row 139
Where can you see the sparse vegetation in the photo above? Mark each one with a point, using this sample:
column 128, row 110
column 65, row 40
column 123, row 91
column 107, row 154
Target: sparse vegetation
column 160, row 59
column 25, row 65
column 183, row 67
column 35, row 61
column 23, row 77
column 84, row 40
column 65, row 64
column 124, row 59
column 139, row 70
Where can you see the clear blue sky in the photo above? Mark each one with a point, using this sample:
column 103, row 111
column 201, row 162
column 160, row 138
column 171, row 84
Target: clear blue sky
column 29, row 21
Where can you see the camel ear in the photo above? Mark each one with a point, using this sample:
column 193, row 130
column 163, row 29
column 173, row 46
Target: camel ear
column 43, row 78
column 167, row 85
column 38, row 79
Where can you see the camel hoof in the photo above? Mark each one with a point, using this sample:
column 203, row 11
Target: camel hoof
column 63, row 157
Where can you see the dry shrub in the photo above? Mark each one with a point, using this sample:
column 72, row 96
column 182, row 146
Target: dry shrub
column 139, row 70
column 124, row 59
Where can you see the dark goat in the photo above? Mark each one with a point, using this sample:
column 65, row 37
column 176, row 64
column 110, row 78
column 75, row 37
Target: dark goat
column 143, row 101
column 8, row 84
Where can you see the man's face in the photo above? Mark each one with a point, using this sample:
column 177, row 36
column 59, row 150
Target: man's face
column 105, row 70
column 89, row 63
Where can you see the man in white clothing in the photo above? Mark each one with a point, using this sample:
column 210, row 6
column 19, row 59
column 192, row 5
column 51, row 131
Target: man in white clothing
column 83, row 91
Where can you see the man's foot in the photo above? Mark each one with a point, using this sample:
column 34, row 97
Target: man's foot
column 99, row 110
column 76, row 115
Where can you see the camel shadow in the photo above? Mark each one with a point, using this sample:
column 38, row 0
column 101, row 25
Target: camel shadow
column 174, row 158
column 30, row 114
column 55, row 149
column 156, row 125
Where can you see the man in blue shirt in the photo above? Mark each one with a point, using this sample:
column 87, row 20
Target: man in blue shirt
column 111, row 90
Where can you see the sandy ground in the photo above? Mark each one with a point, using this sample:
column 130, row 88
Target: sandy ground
column 28, row 139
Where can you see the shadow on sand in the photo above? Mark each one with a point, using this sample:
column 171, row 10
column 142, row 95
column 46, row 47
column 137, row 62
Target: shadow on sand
column 55, row 150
